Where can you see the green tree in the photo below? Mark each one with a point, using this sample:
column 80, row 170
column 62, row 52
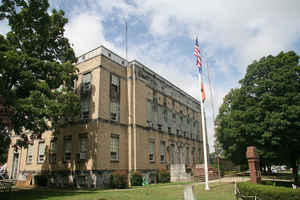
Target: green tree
column 36, row 68
column 264, row 112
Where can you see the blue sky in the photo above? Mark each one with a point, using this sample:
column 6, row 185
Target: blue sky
column 161, row 35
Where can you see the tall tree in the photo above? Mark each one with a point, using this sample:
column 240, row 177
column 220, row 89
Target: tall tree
column 36, row 67
column 264, row 112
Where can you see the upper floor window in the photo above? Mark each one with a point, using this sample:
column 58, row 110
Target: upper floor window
column 149, row 113
column 114, row 88
column 86, row 83
column 41, row 152
column 29, row 154
column 85, row 96
column 165, row 101
column 115, row 111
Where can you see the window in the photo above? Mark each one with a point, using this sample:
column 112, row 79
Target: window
column 172, row 154
column 41, row 152
column 86, row 83
column 83, row 143
column 165, row 115
column 149, row 113
column 115, row 111
column 200, row 156
column 187, row 155
column 85, row 96
column 53, row 151
column 67, row 148
column 162, row 151
column 114, row 98
column 29, row 154
column 159, row 127
column 169, row 130
column 165, row 101
column 114, row 147
column 194, row 155
column 151, row 150
column 114, row 88
column 85, row 108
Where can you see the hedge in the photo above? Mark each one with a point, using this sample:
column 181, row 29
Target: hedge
column 40, row 180
column 163, row 176
column 267, row 192
column 119, row 180
column 136, row 179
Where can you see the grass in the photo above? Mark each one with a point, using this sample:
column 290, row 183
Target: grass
column 220, row 191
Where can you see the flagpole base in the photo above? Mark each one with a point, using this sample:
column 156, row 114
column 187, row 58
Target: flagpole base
column 206, row 186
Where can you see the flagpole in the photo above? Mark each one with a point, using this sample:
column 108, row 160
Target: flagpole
column 203, row 136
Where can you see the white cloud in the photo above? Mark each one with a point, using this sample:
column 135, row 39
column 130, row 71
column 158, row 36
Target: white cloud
column 4, row 28
column 85, row 32
column 244, row 30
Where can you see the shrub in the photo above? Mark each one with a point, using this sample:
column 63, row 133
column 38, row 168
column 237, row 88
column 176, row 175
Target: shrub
column 119, row 180
column 164, row 176
column 267, row 192
column 136, row 179
column 40, row 180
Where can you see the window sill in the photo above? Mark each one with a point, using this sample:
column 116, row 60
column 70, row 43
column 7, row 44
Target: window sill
column 163, row 162
column 29, row 163
column 114, row 161
column 152, row 161
column 39, row 163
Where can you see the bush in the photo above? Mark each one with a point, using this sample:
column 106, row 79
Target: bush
column 164, row 176
column 267, row 192
column 279, row 183
column 40, row 180
column 136, row 179
column 119, row 180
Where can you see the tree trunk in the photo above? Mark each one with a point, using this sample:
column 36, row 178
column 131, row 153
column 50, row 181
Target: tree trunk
column 269, row 169
column 295, row 171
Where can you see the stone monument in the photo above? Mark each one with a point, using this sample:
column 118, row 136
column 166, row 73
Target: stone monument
column 189, row 193
column 253, row 162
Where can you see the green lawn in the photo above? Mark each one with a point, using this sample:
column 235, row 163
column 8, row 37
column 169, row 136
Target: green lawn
column 220, row 191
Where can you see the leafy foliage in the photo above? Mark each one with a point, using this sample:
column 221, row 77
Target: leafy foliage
column 136, row 179
column 36, row 67
column 164, row 176
column 264, row 112
column 119, row 179
column 267, row 192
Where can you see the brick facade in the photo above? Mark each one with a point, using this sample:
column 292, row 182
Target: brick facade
column 150, row 109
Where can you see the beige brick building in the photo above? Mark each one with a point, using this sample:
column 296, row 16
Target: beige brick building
column 131, row 119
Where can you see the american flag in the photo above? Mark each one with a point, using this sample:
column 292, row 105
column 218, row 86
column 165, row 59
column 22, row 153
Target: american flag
column 202, row 92
column 198, row 57
column 199, row 65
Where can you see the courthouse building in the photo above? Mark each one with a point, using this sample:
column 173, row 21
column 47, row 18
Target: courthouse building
column 131, row 119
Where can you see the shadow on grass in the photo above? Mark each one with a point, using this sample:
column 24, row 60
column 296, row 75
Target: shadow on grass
column 41, row 193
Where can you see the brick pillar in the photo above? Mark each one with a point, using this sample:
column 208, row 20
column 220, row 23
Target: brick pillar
column 253, row 162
